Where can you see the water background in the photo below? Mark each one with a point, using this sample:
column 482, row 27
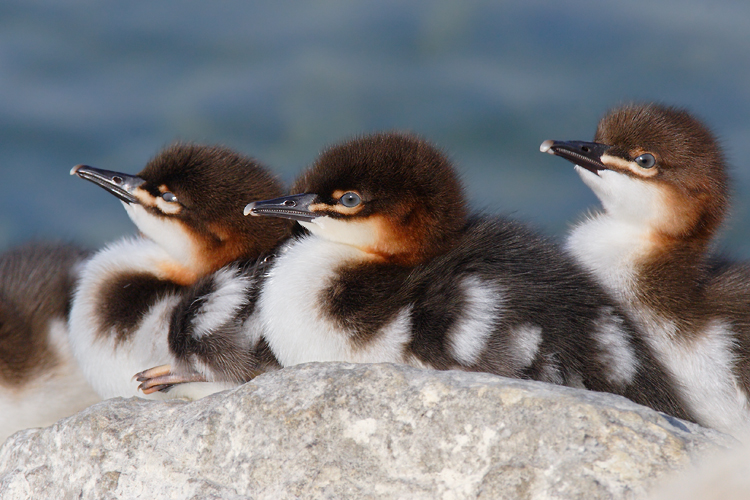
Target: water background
column 110, row 83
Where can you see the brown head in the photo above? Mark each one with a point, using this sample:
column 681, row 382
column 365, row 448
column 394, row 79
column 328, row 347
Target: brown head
column 392, row 195
column 189, row 200
column 657, row 166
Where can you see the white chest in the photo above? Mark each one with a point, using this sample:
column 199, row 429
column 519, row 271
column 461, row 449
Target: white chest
column 108, row 365
column 293, row 317
column 703, row 366
column 703, row 369
column 609, row 249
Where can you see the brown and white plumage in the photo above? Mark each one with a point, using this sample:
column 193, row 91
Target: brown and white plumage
column 40, row 381
column 661, row 177
column 394, row 268
column 187, row 203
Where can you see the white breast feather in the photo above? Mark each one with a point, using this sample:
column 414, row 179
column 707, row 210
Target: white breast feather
column 108, row 367
column 609, row 248
column 293, row 321
column 703, row 370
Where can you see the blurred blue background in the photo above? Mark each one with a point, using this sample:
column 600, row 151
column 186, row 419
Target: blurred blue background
column 110, row 83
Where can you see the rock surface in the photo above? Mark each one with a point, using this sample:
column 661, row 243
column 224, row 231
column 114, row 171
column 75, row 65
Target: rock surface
column 723, row 476
column 358, row 431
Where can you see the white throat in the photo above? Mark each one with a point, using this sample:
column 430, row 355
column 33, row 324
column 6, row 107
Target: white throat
column 361, row 234
column 165, row 232
column 628, row 199
column 610, row 243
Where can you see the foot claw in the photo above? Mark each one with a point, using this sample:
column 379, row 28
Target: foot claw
column 155, row 388
column 161, row 378
column 156, row 371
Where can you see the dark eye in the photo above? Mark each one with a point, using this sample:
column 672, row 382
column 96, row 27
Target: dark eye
column 170, row 197
column 646, row 160
column 350, row 199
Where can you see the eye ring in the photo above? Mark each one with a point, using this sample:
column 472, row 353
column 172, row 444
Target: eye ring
column 646, row 160
column 350, row 199
column 169, row 197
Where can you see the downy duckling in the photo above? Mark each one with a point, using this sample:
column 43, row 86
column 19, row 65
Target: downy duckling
column 393, row 268
column 661, row 177
column 187, row 204
column 40, row 381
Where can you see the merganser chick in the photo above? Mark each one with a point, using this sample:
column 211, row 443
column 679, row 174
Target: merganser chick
column 661, row 177
column 395, row 270
column 187, row 203
column 40, row 381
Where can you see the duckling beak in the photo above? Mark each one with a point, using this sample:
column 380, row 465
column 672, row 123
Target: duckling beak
column 584, row 154
column 119, row 184
column 295, row 207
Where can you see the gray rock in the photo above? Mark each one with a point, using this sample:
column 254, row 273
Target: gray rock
column 358, row 431
column 722, row 476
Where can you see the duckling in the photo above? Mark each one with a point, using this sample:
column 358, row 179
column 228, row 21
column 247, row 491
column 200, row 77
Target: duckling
column 662, row 180
column 40, row 381
column 392, row 267
column 187, row 204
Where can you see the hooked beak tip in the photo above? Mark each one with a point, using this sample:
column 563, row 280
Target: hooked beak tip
column 74, row 170
column 249, row 209
column 546, row 146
